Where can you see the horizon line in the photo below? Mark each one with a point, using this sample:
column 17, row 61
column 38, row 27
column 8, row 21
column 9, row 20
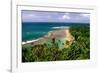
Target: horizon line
column 55, row 22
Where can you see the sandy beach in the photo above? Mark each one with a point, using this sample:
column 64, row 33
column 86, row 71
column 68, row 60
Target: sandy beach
column 58, row 33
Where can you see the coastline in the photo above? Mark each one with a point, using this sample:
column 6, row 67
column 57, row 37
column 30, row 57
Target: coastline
column 27, row 42
column 57, row 33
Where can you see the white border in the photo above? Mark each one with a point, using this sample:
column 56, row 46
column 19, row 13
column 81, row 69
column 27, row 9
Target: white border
column 17, row 66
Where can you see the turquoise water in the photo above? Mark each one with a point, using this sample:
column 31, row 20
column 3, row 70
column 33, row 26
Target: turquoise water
column 35, row 30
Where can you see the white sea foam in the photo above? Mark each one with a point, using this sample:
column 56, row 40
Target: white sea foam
column 30, row 41
column 61, row 27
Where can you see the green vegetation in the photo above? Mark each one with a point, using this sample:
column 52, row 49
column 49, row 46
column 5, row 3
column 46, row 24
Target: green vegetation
column 50, row 51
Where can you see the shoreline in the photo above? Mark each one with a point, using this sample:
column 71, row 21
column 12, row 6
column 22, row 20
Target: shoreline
column 30, row 41
column 49, row 35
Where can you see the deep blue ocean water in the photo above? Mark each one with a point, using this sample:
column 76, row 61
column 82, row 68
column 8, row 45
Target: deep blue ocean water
column 35, row 30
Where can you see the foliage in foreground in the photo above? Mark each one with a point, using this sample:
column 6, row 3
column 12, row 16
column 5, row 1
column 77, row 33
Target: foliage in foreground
column 79, row 49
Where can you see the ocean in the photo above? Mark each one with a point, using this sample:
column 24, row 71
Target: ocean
column 35, row 30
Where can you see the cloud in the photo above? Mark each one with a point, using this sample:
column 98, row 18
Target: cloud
column 40, row 16
column 30, row 16
column 85, row 15
column 65, row 16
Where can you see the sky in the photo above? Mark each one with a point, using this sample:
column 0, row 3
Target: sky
column 44, row 16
